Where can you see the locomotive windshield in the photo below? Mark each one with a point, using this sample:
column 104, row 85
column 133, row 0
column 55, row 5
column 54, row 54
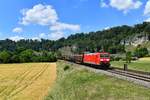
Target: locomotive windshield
column 104, row 55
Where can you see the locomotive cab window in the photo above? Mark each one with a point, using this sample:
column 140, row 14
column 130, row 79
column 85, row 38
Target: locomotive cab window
column 104, row 55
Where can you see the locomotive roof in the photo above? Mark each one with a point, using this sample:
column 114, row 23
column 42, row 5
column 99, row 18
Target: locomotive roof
column 98, row 53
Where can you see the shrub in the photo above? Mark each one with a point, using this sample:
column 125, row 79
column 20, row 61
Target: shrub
column 66, row 67
column 112, row 58
column 140, row 52
column 117, row 58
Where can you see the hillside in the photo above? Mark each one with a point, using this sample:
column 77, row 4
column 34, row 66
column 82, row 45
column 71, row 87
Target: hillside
column 112, row 40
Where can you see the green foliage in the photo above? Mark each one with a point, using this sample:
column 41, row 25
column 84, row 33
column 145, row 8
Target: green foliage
column 128, row 57
column 27, row 55
column 15, row 59
column 117, row 58
column 66, row 67
column 110, row 40
column 5, row 57
column 147, row 29
column 140, row 52
column 116, row 49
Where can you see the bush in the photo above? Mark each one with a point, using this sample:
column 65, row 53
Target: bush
column 112, row 58
column 140, row 52
column 123, row 59
column 117, row 58
column 66, row 67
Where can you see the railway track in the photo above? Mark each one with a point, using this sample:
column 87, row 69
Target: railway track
column 144, row 76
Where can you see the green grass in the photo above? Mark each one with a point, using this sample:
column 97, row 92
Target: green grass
column 80, row 84
column 135, row 65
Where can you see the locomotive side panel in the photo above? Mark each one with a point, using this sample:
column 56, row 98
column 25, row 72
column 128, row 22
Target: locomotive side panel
column 92, row 58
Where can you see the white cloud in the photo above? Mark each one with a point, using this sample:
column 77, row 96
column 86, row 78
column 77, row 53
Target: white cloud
column 47, row 16
column 42, row 35
column 147, row 11
column 56, row 35
column 64, row 26
column 147, row 20
column 39, row 14
column 124, row 5
column 36, row 38
column 147, row 8
column 17, row 30
column 59, row 28
column 106, row 28
column 16, row 38
column 103, row 4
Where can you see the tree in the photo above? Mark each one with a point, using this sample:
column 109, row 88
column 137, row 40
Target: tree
column 15, row 59
column 140, row 52
column 147, row 31
column 26, row 56
column 5, row 57
column 128, row 57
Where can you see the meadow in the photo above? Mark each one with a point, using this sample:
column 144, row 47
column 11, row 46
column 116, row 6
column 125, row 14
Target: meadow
column 142, row 64
column 28, row 81
column 76, row 83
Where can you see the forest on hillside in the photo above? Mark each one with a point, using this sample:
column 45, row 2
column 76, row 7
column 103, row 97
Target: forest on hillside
column 109, row 40
column 105, row 40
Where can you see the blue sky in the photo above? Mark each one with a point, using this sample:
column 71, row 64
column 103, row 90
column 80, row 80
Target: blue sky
column 53, row 19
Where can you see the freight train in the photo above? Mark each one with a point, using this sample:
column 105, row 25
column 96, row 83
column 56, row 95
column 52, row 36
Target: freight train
column 101, row 59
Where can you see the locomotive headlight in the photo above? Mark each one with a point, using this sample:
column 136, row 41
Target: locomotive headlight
column 107, row 59
column 102, row 60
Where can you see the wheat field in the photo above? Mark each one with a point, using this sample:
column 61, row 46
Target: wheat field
column 29, row 81
column 145, row 59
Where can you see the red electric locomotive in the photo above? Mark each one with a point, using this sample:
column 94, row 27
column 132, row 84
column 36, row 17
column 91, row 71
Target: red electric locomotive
column 100, row 58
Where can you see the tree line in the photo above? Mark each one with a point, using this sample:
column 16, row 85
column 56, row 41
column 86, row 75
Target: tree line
column 26, row 55
column 105, row 40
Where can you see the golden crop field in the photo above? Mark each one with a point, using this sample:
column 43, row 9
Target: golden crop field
column 145, row 59
column 29, row 81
